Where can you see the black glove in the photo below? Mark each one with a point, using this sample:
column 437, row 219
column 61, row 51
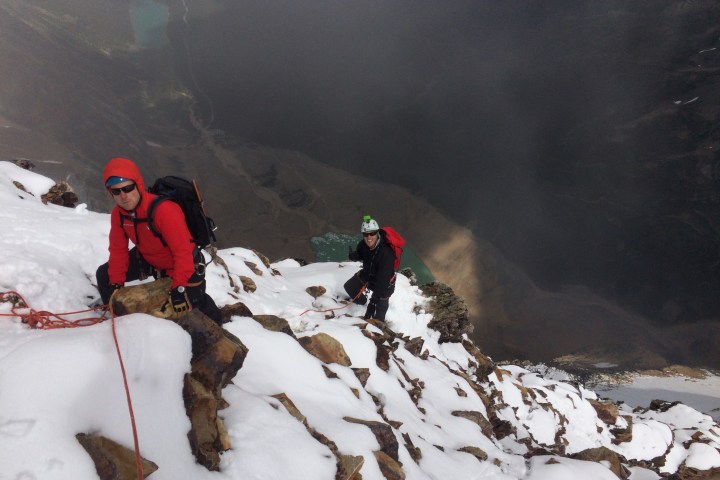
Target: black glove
column 353, row 254
column 179, row 301
column 377, row 308
column 370, row 312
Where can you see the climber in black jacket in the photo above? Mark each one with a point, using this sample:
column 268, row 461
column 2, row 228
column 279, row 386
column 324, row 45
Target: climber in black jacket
column 377, row 274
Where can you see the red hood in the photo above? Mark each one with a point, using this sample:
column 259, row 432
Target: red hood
column 124, row 167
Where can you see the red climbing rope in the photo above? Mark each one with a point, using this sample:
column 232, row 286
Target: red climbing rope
column 138, row 458
column 44, row 320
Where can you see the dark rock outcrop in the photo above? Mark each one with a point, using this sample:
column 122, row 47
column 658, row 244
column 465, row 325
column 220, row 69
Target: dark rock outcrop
column 450, row 313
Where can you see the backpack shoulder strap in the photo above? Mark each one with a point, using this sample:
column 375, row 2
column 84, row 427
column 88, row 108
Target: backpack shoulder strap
column 151, row 212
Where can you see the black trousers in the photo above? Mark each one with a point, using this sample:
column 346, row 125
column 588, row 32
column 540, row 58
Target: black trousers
column 139, row 269
column 377, row 308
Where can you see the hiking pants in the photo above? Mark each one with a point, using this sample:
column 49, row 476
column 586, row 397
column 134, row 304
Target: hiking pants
column 139, row 269
column 353, row 287
column 377, row 308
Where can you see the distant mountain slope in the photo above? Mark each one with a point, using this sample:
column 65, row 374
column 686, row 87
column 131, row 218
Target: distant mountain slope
column 77, row 90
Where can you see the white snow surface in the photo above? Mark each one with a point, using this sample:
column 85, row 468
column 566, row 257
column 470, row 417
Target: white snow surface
column 57, row 383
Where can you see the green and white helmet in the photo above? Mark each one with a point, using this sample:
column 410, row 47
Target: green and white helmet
column 369, row 225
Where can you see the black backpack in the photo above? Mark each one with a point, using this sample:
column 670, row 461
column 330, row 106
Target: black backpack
column 186, row 194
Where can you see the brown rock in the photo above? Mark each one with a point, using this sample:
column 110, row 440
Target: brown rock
column 144, row 298
column 238, row 309
column 325, row 348
column 112, row 460
column 623, row 434
column 290, row 406
column 383, row 433
column 362, row 374
column 382, row 356
column 316, row 291
column 475, row 452
column 415, row 452
column 201, row 406
column 274, row 324
column 414, row 346
column 450, row 312
column 248, row 284
column 61, row 194
column 604, row 454
column 254, row 268
column 485, row 365
column 265, row 261
column 348, row 467
column 477, row 418
column 391, row 469
column 606, row 411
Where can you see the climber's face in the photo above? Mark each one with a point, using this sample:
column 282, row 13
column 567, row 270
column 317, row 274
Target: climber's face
column 370, row 239
column 126, row 195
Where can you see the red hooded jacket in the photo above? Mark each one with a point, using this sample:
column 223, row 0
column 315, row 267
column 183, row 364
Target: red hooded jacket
column 176, row 259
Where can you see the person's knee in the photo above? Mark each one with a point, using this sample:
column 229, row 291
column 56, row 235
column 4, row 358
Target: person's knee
column 101, row 275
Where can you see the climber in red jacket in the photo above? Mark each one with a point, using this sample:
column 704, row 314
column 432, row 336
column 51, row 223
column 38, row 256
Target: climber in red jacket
column 171, row 254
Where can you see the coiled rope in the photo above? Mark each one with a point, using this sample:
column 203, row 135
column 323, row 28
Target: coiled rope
column 44, row 320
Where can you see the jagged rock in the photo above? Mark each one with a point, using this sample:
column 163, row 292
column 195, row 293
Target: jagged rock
column 144, row 298
column 316, row 291
column 112, row 460
column 238, row 309
column 205, row 438
column 382, row 356
column 383, row 433
column 254, row 268
column 248, row 284
column 606, row 411
column 391, row 469
column 325, row 348
column 485, row 365
column 501, row 428
column 623, row 434
column 217, row 353
column 477, row 418
column 262, row 258
column 20, row 186
column 450, row 313
column 274, row 324
column 290, row 406
column 349, row 467
column 414, row 346
column 415, row 452
column 23, row 163
column 362, row 374
column 475, row 452
column 604, row 454
column 329, row 373
column 407, row 271
column 688, row 473
column 61, row 194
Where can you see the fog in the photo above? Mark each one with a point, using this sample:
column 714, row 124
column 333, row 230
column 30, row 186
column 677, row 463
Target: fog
column 506, row 115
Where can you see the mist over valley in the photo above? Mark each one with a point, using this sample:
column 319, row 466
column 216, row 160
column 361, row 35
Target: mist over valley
column 555, row 163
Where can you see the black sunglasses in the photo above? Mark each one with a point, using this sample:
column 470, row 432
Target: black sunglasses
column 370, row 234
column 126, row 189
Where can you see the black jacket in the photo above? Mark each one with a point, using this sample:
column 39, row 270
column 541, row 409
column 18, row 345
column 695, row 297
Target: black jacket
column 377, row 270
